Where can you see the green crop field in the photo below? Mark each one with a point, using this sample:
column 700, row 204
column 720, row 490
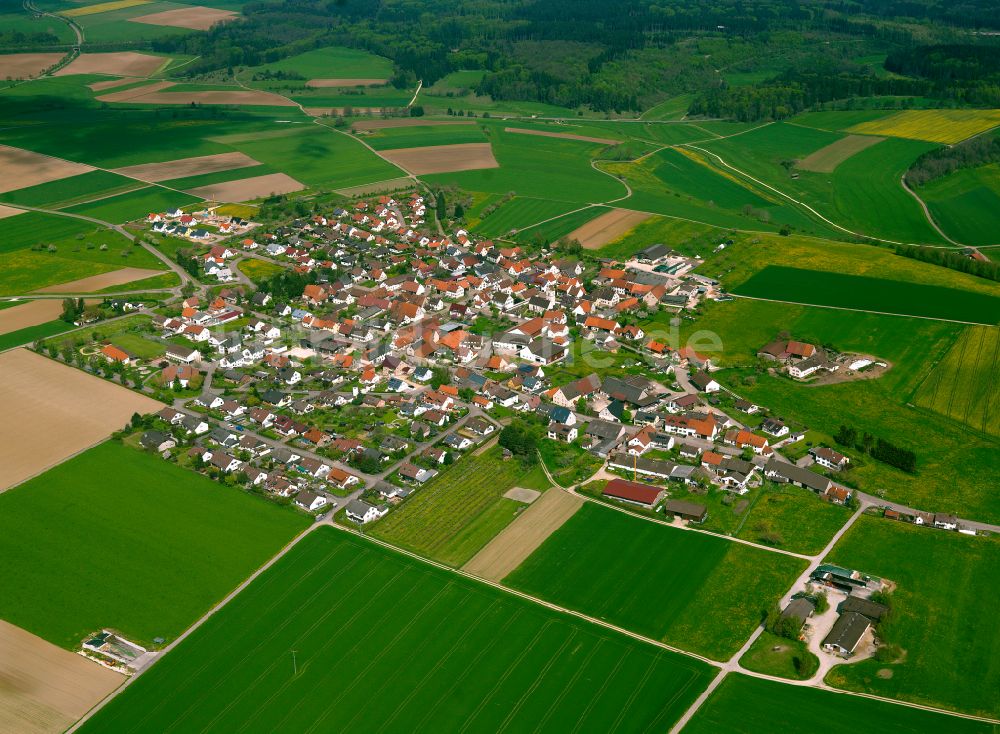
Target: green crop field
column 561, row 226
column 688, row 238
column 863, row 193
column 320, row 157
column 33, row 228
column 965, row 385
column 122, row 539
column 674, row 108
column 133, row 205
column 418, row 136
column 332, row 62
column 67, row 191
column 950, row 648
column 383, row 642
column 31, row 333
column 358, row 99
column 812, row 287
column 455, row 514
column 521, row 212
column 741, row 704
column 692, row 590
column 25, row 271
column 966, row 204
column 208, row 179
column 536, row 166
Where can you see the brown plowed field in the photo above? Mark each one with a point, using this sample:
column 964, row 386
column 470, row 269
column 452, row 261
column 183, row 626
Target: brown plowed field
column 246, row 189
column 102, row 281
column 119, row 63
column 22, row 168
column 564, row 136
column 523, row 536
column 196, row 18
column 25, row 66
column 184, row 167
column 60, row 411
column 608, row 227
column 443, row 158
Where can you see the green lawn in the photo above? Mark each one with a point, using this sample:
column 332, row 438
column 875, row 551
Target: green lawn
column 744, row 704
column 873, row 294
column 455, row 514
column 258, row 270
column 952, row 647
column 692, row 590
column 383, row 642
column 122, row 539
column 775, row 655
column 568, row 463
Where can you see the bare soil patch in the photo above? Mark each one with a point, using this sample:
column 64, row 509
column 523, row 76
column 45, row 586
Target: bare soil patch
column 9, row 211
column 520, row 494
column 826, row 159
column 262, row 99
column 405, row 122
column 884, row 673
column 196, row 18
column 127, row 94
column 443, row 158
column 607, row 228
column 564, row 136
column 22, row 168
column 246, row 189
column 25, row 66
column 119, row 63
column 324, row 83
column 29, row 313
column 112, row 83
column 43, row 688
column 523, row 536
column 102, row 281
column 184, row 167
column 60, row 412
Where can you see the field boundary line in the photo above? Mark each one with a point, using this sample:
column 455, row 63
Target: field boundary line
column 926, row 210
column 864, row 310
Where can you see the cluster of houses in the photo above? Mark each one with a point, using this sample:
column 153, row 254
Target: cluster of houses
column 198, row 227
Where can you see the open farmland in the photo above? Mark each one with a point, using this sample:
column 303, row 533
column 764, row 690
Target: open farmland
column 389, row 138
column 25, row 66
column 43, row 688
column 331, row 63
column 102, row 7
column 22, row 168
column 692, row 590
column 183, row 167
column 949, row 651
column 522, row 537
column 29, row 313
column 564, row 136
column 163, row 93
column 608, row 227
column 60, row 410
column 455, row 514
column 65, row 192
column 811, row 287
column 163, row 544
column 741, row 704
column 936, row 126
column 826, row 160
column 965, row 385
column 442, row 158
column 416, row 649
column 519, row 212
column 966, row 204
column 102, row 281
column 193, row 17
column 247, row 189
column 119, row 63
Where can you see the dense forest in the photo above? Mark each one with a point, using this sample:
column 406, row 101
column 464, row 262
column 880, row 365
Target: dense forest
column 978, row 151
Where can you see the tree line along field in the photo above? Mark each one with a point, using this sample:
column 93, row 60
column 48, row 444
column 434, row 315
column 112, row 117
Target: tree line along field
column 842, row 290
column 950, row 648
column 691, row 590
column 742, row 703
column 455, row 514
column 965, row 384
column 384, row 642
column 116, row 538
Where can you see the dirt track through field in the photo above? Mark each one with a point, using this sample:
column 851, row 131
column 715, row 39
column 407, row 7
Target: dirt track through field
column 564, row 136
column 195, row 18
column 22, row 168
column 324, row 83
column 184, row 167
column 25, row 66
column 827, row 158
column 43, row 688
column 608, row 227
column 246, row 189
column 443, row 158
column 54, row 411
column 523, row 536
column 119, row 63
column 102, row 281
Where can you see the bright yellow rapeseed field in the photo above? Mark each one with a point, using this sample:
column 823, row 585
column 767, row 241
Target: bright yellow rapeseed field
column 103, row 7
column 936, row 126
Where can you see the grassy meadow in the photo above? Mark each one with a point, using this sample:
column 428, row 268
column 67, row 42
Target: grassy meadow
column 950, row 649
column 161, row 545
column 966, row 204
column 384, row 642
column 688, row 589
